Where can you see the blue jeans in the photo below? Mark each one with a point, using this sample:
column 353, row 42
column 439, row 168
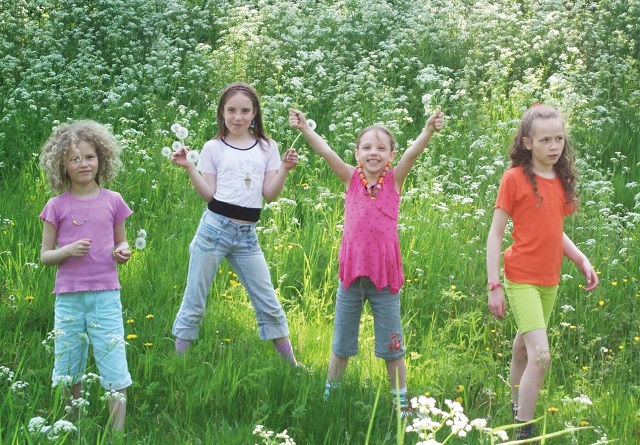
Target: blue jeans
column 387, row 324
column 219, row 237
column 90, row 317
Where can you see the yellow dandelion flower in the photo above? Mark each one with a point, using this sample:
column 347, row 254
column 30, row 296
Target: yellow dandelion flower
column 621, row 347
column 453, row 287
column 493, row 331
column 614, row 283
column 148, row 345
column 499, row 354
column 585, row 368
column 130, row 321
column 132, row 337
column 636, row 338
column 149, row 316
column 552, row 410
column 459, row 400
column 624, row 280
column 601, row 303
column 427, row 394
column 584, row 423
column 572, row 327
column 598, row 272
column 460, row 388
column 227, row 340
column 29, row 298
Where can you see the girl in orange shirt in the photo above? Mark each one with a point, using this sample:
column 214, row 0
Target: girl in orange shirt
column 537, row 192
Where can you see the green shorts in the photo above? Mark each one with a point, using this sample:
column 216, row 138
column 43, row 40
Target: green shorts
column 531, row 304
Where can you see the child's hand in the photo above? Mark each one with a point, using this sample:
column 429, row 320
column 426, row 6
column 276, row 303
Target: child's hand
column 497, row 303
column 180, row 157
column 290, row 159
column 297, row 120
column 122, row 254
column 435, row 121
column 590, row 274
column 79, row 248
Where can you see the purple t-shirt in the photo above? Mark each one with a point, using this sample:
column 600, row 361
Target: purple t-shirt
column 97, row 270
column 370, row 243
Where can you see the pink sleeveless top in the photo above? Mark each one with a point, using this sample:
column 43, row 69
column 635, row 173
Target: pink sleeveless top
column 370, row 244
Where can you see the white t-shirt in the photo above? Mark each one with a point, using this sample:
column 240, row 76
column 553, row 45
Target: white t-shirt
column 239, row 173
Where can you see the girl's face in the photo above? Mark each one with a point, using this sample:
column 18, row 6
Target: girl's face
column 238, row 112
column 546, row 143
column 82, row 164
column 374, row 152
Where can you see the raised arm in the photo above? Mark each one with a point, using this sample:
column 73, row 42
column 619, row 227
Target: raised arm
column 571, row 251
column 205, row 184
column 320, row 146
column 433, row 124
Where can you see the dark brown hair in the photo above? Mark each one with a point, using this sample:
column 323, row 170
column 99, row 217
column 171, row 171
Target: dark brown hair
column 246, row 89
column 520, row 156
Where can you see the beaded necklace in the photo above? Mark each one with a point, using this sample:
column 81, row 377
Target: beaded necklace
column 372, row 190
column 74, row 220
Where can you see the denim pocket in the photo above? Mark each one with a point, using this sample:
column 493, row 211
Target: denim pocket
column 207, row 238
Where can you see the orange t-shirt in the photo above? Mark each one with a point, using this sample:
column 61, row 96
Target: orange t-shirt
column 535, row 257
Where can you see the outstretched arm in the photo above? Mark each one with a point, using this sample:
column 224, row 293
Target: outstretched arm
column 434, row 123
column 496, row 302
column 205, row 184
column 571, row 251
column 320, row 146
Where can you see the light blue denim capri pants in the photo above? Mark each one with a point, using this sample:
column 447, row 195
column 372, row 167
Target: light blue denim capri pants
column 90, row 317
column 387, row 323
column 216, row 238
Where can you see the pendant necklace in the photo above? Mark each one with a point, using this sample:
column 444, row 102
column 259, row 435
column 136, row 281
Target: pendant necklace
column 86, row 218
column 372, row 190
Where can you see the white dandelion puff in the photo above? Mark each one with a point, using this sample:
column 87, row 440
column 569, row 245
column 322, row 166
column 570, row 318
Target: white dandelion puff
column 192, row 156
column 176, row 127
column 166, row 152
column 311, row 123
column 182, row 133
column 140, row 243
column 142, row 233
column 177, row 146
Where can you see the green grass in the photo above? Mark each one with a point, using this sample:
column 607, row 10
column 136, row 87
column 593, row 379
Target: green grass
column 142, row 66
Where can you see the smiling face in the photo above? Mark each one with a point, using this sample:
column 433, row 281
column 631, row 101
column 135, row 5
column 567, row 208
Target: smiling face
column 238, row 112
column 546, row 143
column 374, row 151
column 82, row 164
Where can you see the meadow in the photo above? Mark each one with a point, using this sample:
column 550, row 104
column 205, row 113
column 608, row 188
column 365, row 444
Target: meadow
column 140, row 66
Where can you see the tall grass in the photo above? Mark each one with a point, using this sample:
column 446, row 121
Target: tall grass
column 140, row 66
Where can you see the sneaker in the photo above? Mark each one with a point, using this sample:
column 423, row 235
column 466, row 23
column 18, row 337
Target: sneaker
column 526, row 432
column 182, row 345
column 405, row 411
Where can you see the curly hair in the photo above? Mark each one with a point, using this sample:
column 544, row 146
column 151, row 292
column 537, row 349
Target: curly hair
column 67, row 137
column 565, row 167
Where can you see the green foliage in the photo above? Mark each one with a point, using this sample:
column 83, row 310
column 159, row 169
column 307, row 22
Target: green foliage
column 140, row 66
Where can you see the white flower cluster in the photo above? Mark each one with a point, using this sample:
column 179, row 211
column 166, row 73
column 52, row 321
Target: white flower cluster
column 270, row 438
column 38, row 425
column 430, row 420
column 141, row 239
column 181, row 133
column 6, row 373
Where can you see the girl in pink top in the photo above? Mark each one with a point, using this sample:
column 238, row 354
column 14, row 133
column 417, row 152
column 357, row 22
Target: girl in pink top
column 370, row 262
column 537, row 192
column 83, row 234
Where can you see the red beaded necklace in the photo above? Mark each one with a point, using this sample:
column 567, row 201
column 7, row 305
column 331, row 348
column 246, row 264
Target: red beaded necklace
column 372, row 191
